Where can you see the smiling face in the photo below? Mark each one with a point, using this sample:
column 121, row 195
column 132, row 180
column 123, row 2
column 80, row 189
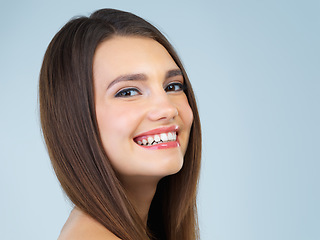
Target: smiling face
column 143, row 114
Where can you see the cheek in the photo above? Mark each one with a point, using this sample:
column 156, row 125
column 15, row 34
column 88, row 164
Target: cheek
column 190, row 116
column 112, row 131
column 108, row 123
column 186, row 116
column 186, row 113
column 116, row 125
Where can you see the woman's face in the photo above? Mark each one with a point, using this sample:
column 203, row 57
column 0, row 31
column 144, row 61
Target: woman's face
column 142, row 111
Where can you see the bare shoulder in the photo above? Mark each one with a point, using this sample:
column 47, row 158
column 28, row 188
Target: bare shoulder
column 80, row 226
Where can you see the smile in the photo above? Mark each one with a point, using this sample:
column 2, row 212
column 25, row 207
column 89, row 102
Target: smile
column 159, row 138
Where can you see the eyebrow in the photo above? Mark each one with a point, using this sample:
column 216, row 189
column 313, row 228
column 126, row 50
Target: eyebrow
column 143, row 77
column 128, row 77
column 173, row 73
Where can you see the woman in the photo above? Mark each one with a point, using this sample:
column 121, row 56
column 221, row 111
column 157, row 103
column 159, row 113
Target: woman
column 121, row 125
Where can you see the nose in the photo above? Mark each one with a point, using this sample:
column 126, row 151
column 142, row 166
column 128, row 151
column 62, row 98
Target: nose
column 161, row 108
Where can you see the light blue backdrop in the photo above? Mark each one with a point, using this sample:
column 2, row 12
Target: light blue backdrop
column 255, row 68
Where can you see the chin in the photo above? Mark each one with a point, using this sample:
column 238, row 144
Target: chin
column 168, row 167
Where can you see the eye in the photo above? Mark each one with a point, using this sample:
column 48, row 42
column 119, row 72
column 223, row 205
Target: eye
column 174, row 87
column 128, row 92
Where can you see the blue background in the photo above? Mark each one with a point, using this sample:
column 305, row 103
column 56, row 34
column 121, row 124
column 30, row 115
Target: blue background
column 255, row 68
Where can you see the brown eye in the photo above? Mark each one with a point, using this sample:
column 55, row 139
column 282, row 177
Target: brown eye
column 174, row 87
column 129, row 92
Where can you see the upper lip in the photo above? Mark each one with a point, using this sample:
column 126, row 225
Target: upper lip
column 159, row 130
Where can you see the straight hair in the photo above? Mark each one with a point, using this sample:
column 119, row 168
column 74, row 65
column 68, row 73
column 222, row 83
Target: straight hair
column 70, row 130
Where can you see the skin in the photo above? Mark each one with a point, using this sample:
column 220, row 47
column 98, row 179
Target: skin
column 149, row 99
column 80, row 226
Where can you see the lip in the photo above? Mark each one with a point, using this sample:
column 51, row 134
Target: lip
column 159, row 130
column 165, row 145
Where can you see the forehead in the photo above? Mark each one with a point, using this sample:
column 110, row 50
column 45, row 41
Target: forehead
column 125, row 55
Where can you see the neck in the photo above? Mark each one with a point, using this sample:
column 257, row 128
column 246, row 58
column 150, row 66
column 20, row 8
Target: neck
column 141, row 192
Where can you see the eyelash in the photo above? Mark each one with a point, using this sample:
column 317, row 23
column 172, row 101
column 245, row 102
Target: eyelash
column 124, row 92
column 181, row 87
column 127, row 92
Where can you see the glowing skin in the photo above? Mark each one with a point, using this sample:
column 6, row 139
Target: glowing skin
column 138, row 94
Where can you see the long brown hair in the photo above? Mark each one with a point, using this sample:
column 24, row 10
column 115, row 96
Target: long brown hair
column 70, row 129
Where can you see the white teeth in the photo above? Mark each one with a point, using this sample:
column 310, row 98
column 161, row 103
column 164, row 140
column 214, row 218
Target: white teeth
column 164, row 137
column 170, row 136
column 174, row 135
column 150, row 140
column 157, row 138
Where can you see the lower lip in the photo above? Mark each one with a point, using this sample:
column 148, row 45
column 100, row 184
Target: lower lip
column 166, row 145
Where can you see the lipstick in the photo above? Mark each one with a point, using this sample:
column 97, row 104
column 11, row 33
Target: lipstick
column 159, row 138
